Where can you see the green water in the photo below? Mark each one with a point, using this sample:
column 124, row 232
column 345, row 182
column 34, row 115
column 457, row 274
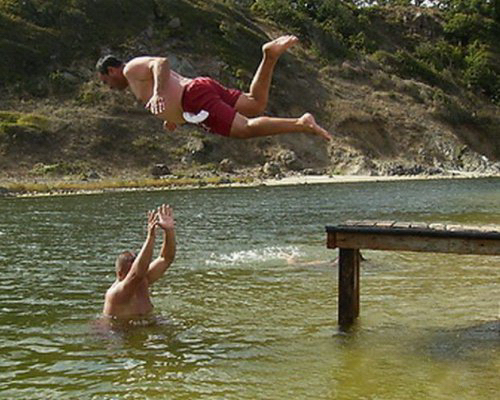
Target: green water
column 248, row 309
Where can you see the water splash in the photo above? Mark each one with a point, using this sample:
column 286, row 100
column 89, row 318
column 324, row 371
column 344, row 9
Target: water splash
column 252, row 256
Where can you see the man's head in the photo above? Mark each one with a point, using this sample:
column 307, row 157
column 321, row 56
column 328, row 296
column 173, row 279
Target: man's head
column 123, row 263
column 110, row 71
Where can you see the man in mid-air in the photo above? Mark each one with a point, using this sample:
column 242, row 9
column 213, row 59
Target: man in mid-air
column 228, row 112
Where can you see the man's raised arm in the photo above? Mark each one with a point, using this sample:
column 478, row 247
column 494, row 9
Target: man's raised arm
column 139, row 268
column 167, row 253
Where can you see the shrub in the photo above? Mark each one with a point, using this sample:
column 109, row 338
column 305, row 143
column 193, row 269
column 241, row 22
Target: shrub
column 450, row 110
column 61, row 168
column 465, row 27
column 18, row 129
column 480, row 72
column 440, row 55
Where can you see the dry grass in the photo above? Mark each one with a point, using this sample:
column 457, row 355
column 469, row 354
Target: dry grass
column 34, row 188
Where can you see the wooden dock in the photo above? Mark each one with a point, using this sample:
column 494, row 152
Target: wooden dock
column 352, row 236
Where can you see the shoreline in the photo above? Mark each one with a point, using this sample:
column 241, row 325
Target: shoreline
column 318, row 179
column 18, row 189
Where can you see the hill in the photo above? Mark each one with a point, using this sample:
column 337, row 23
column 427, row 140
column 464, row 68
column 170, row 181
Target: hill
column 404, row 89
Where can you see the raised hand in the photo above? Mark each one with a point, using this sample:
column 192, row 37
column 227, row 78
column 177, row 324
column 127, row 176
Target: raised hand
column 165, row 217
column 152, row 220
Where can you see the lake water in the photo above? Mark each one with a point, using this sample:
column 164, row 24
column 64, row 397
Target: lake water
column 248, row 310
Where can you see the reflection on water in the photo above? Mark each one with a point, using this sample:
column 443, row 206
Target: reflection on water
column 248, row 309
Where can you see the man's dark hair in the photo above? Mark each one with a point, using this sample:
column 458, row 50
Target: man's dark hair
column 107, row 61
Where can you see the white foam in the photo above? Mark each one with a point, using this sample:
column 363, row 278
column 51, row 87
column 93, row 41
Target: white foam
column 254, row 255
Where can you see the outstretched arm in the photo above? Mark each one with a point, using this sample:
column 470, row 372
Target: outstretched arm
column 167, row 253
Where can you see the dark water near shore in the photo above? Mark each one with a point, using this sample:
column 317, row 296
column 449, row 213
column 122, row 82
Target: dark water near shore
column 248, row 309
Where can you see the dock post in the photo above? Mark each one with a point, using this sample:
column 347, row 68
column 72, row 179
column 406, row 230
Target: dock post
column 348, row 286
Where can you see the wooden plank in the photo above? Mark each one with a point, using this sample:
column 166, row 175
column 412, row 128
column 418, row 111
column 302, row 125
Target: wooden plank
column 419, row 225
column 454, row 228
column 488, row 228
column 348, row 292
column 417, row 243
column 384, row 224
column 364, row 223
column 482, row 228
column 401, row 224
column 367, row 222
column 437, row 227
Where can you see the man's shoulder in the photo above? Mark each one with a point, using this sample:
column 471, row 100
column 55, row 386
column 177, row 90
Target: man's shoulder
column 112, row 290
column 140, row 61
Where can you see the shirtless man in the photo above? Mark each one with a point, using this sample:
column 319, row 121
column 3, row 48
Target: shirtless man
column 128, row 296
column 228, row 112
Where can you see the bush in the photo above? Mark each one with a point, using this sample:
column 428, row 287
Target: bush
column 61, row 168
column 440, row 55
column 480, row 72
column 466, row 27
column 450, row 110
column 407, row 66
column 329, row 25
column 38, row 35
column 21, row 130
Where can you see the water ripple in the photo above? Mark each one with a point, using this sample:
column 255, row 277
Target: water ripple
column 248, row 309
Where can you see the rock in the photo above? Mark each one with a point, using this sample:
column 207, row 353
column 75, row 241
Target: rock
column 224, row 181
column 403, row 170
column 174, row 23
column 199, row 150
column 93, row 175
column 4, row 191
column 365, row 166
column 271, row 168
column 434, row 171
column 182, row 65
column 160, row 170
column 312, row 171
column 226, row 165
column 149, row 32
column 289, row 159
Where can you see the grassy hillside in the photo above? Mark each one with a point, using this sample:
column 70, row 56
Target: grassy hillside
column 403, row 88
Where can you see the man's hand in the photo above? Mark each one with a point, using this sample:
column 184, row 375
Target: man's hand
column 152, row 221
column 156, row 104
column 169, row 126
column 165, row 218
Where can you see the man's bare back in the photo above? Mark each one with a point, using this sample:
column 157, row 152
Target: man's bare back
column 136, row 304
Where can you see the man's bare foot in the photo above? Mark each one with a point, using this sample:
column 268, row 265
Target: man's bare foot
column 311, row 126
column 277, row 47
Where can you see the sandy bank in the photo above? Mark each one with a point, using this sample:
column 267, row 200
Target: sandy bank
column 317, row 179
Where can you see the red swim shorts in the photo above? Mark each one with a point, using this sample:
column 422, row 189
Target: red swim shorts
column 209, row 95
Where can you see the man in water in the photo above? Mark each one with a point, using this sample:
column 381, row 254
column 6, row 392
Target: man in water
column 228, row 112
column 128, row 296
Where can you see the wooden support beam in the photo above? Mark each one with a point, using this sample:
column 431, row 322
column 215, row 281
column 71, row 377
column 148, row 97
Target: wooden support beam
column 348, row 293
